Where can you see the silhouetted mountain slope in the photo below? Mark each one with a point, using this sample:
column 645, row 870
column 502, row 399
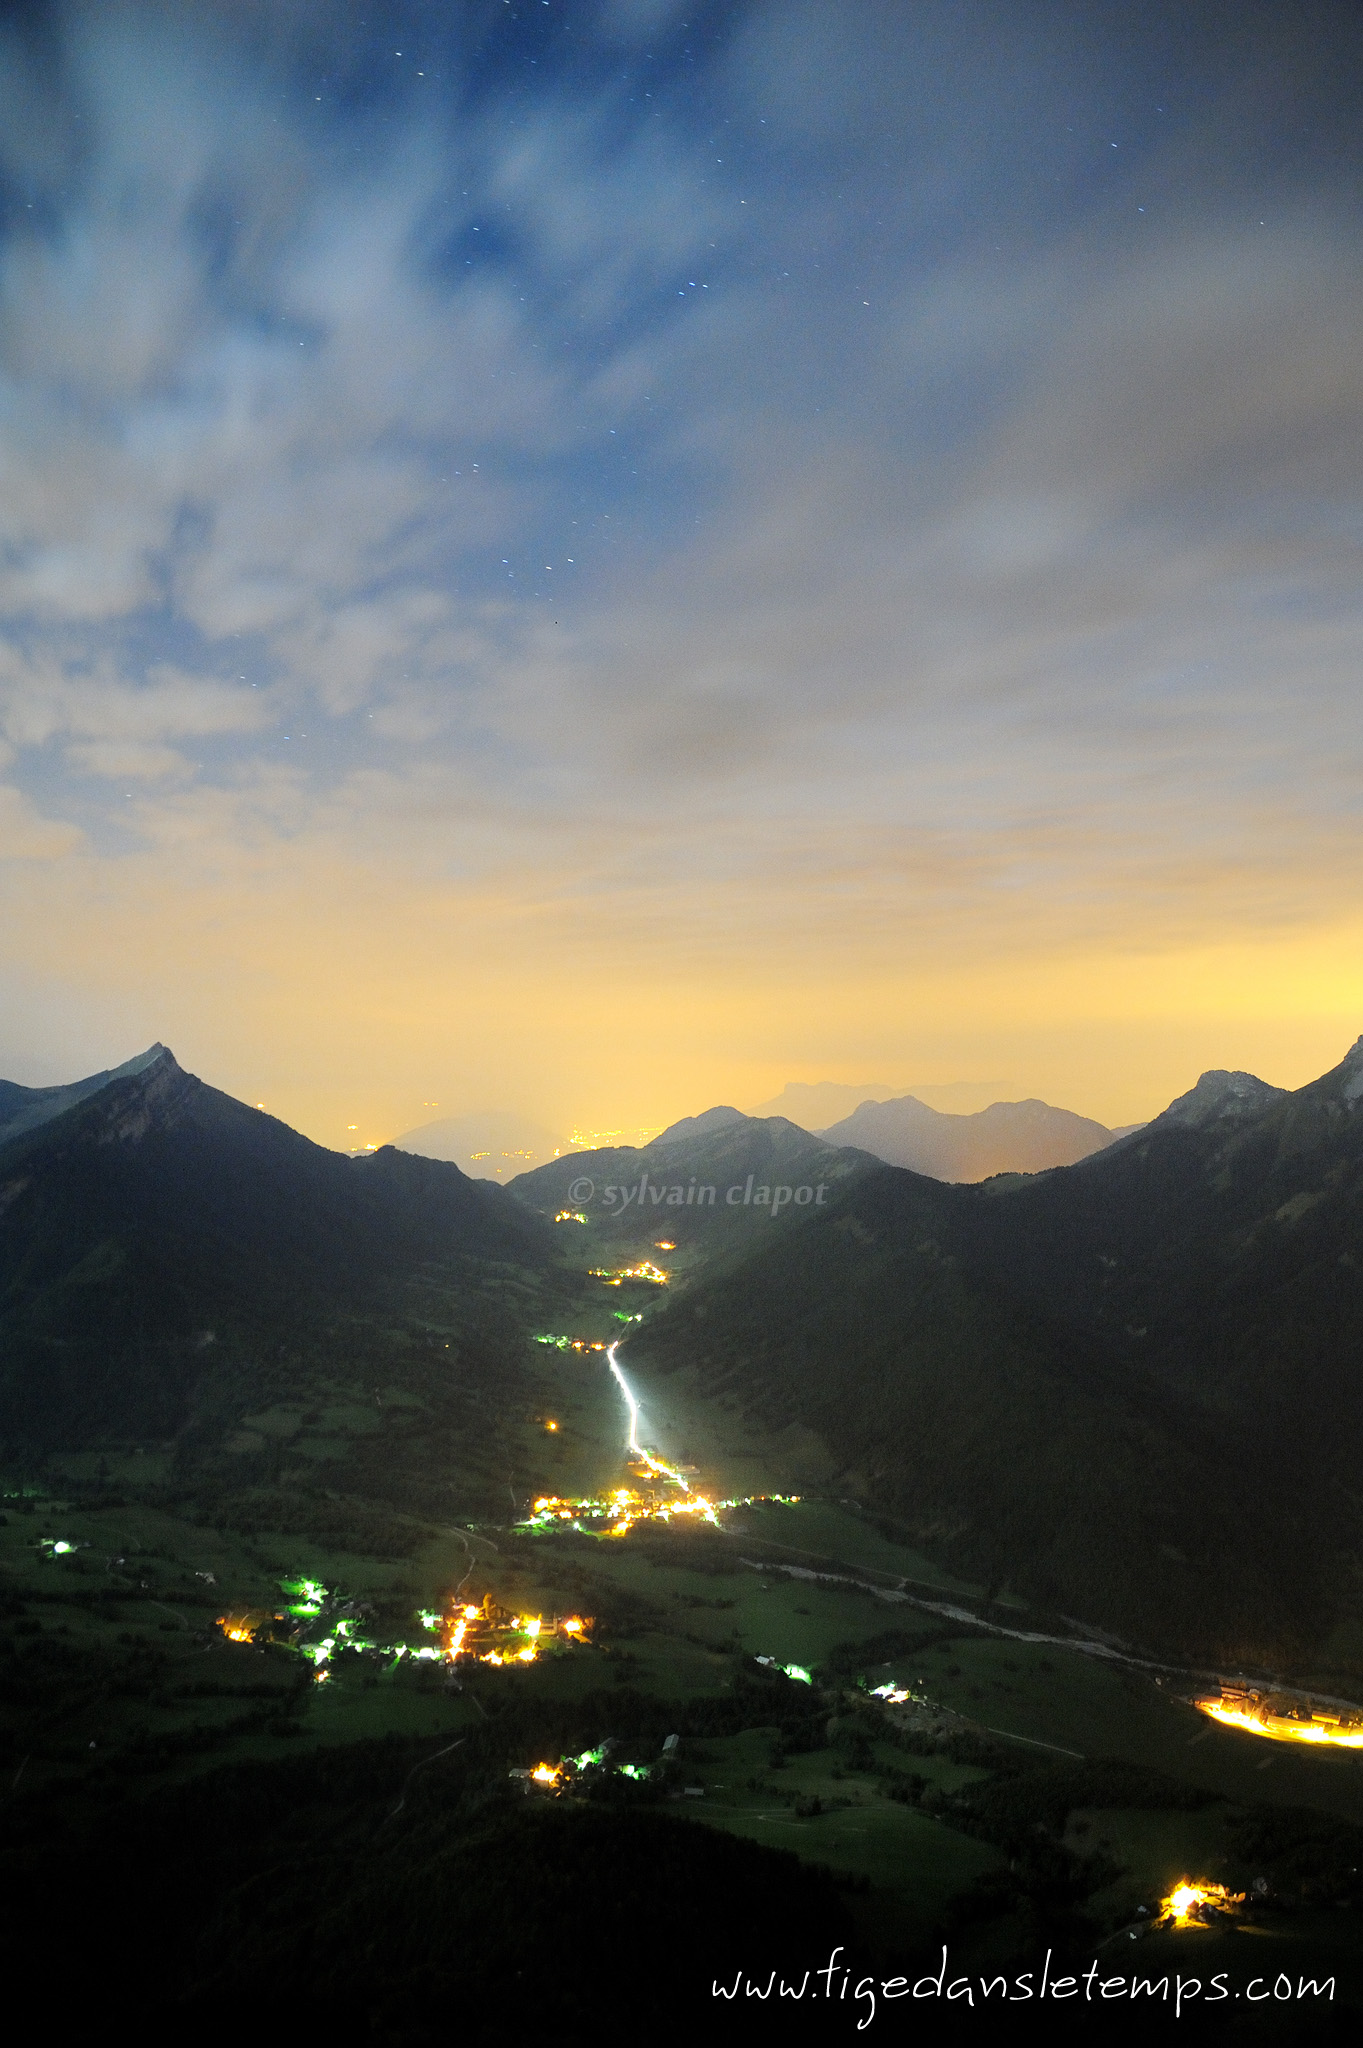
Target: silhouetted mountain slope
column 1131, row 1384
column 1008, row 1137
column 1217, row 1097
column 699, row 1126
column 1005, row 1441
column 714, row 1185
column 1222, row 1250
column 157, row 1209
column 24, row 1109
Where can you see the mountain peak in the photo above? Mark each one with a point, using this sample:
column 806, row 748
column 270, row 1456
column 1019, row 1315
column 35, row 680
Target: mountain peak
column 143, row 1060
column 1007, row 1137
column 1218, row 1097
column 27, row 1109
column 697, row 1126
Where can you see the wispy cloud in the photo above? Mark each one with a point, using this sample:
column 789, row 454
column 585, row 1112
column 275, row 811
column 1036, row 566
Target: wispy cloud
column 763, row 476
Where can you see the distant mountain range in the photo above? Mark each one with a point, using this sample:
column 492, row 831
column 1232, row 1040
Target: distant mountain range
column 938, row 1137
column 814, row 1105
column 1008, row 1137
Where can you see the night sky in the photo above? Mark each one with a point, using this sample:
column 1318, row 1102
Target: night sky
column 599, row 558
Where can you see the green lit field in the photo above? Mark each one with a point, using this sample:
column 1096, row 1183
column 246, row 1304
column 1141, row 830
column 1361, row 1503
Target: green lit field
column 832, row 1814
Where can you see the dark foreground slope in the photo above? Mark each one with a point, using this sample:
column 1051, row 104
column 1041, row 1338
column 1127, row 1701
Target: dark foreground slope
column 1131, row 1386
column 386, row 1893
column 156, row 1217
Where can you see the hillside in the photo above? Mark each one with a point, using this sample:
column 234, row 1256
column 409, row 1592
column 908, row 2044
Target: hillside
column 1220, row 1248
column 711, row 1181
column 244, row 1367
column 1128, row 1386
column 155, row 1217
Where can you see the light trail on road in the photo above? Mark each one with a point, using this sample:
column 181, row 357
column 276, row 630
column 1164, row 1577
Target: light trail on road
column 622, row 1507
column 632, row 1442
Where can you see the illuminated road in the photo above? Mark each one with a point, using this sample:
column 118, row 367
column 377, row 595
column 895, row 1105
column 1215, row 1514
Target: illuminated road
column 1308, row 1723
column 632, row 1443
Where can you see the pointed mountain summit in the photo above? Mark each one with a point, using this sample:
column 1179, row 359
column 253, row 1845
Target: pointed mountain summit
column 1218, row 1098
column 713, row 1181
column 155, row 1207
column 23, row 1109
column 1343, row 1083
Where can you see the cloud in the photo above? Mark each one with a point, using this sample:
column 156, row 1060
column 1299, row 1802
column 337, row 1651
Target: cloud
column 126, row 760
column 796, row 479
column 25, row 835
column 42, row 700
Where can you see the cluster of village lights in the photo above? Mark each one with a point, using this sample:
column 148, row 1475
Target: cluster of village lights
column 488, row 1634
column 557, row 1777
column 1258, row 1714
column 1191, row 1902
column 616, row 1276
column 619, row 1510
column 616, row 1512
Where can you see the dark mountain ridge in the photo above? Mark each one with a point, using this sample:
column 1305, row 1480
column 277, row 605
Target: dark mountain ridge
column 1224, row 1247
column 24, row 1109
column 139, row 1224
column 1131, row 1383
column 741, row 1160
